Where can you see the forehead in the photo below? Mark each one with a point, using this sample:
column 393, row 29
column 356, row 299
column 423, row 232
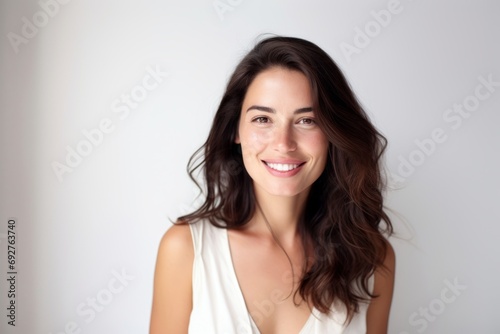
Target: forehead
column 278, row 85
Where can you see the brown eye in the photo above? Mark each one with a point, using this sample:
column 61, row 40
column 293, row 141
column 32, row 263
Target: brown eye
column 260, row 119
column 307, row 121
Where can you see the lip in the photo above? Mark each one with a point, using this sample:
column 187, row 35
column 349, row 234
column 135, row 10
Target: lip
column 288, row 173
column 284, row 161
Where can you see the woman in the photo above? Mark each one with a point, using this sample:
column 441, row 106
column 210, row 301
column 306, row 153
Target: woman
column 289, row 238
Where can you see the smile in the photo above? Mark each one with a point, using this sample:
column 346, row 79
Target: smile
column 282, row 167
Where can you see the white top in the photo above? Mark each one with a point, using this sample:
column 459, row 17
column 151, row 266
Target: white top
column 218, row 303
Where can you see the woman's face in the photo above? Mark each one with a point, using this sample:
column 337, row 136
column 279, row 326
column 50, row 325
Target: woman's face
column 284, row 151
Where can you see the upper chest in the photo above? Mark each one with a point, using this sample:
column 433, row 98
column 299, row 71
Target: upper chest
column 268, row 282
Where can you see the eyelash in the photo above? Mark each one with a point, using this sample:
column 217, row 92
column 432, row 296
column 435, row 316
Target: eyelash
column 264, row 120
column 260, row 119
column 311, row 120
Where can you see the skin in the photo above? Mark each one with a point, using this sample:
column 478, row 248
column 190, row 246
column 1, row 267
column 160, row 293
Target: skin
column 276, row 127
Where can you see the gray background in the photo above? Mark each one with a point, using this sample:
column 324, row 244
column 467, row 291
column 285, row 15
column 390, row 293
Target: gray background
column 76, row 233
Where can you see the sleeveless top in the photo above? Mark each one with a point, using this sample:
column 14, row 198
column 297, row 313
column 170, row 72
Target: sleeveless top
column 218, row 303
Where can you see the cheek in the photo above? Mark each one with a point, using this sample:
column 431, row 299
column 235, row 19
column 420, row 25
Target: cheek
column 318, row 144
column 252, row 142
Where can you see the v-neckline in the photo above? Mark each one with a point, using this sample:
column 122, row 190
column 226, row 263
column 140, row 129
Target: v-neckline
column 243, row 304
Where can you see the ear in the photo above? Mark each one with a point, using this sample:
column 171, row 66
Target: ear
column 237, row 138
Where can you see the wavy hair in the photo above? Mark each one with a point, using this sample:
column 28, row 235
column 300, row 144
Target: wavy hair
column 344, row 214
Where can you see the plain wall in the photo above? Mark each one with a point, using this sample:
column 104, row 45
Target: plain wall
column 86, row 240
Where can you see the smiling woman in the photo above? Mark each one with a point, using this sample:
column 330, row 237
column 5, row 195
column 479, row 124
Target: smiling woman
column 291, row 241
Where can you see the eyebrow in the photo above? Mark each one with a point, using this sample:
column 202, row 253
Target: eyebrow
column 271, row 110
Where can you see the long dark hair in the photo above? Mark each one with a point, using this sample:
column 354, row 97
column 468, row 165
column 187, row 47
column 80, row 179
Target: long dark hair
column 344, row 212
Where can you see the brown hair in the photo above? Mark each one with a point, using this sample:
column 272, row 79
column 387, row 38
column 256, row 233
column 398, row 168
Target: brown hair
column 344, row 209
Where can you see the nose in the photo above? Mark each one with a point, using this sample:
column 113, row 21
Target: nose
column 284, row 140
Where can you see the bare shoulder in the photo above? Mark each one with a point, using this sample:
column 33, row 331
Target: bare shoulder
column 172, row 295
column 175, row 251
column 390, row 260
column 379, row 309
column 177, row 241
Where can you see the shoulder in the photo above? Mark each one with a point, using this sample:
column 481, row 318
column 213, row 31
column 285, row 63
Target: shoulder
column 176, row 241
column 175, row 252
column 384, row 274
column 389, row 260
column 379, row 309
column 172, row 295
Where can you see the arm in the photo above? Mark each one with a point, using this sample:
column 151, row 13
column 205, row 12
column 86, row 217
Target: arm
column 172, row 296
column 378, row 311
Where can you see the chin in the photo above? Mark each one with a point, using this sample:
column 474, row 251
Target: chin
column 281, row 191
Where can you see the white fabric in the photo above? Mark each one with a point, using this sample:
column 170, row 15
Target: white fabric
column 218, row 303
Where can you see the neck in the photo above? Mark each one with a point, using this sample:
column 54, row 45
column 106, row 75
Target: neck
column 282, row 213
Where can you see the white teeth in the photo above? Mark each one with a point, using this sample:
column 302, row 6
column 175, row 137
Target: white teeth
column 282, row 167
